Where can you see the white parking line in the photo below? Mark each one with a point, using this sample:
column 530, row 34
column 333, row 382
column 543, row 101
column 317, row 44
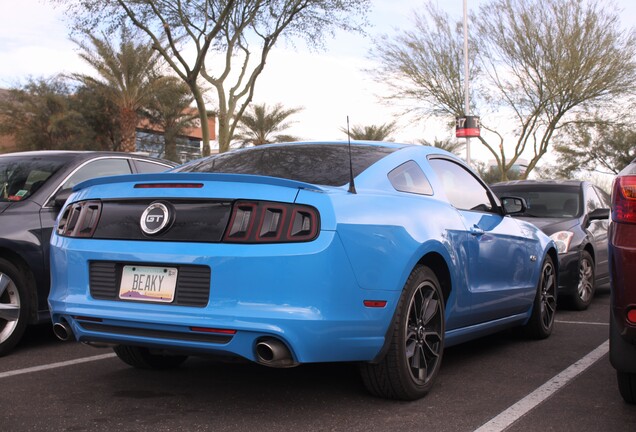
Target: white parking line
column 605, row 324
column 516, row 411
column 55, row 365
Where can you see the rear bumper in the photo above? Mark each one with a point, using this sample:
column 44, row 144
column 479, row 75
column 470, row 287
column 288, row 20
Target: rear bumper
column 622, row 262
column 305, row 295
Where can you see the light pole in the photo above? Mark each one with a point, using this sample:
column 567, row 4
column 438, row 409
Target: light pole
column 466, row 88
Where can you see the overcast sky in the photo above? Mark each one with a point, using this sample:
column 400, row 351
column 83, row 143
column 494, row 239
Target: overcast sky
column 330, row 85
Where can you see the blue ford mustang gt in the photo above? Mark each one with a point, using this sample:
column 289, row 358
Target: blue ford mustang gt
column 376, row 253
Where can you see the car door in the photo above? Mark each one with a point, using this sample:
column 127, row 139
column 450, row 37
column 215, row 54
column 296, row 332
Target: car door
column 596, row 199
column 495, row 250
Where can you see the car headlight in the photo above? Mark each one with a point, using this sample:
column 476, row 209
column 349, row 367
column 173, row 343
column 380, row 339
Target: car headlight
column 562, row 240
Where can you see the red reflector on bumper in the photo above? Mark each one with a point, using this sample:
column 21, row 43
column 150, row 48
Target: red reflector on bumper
column 213, row 330
column 631, row 316
column 375, row 303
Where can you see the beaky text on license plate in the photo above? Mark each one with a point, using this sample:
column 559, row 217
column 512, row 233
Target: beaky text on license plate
column 146, row 283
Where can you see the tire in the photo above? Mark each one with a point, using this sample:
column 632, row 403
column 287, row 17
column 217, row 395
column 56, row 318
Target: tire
column 541, row 322
column 14, row 306
column 584, row 293
column 412, row 362
column 143, row 358
column 627, row 386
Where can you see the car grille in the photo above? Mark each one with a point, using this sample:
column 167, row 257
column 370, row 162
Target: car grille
column 193, row 282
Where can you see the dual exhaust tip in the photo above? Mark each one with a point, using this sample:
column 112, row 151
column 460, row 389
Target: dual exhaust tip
column 62, row 330
column 274, row 353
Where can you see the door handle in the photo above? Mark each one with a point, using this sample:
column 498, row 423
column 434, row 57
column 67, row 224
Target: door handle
column 476, row 231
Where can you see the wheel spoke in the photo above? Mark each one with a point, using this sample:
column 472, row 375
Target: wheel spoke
column 423, row 369
column 411, row 345
column 9, row 312
column 415, row 357
column 431, row 343
column 431, row 311
column 4, row 283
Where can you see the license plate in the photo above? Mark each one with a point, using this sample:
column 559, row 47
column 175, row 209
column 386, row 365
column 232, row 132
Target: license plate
column 152, row 284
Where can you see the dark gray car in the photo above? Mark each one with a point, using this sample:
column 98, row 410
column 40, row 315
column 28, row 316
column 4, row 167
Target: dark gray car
column 575, row 214
column 33, row 187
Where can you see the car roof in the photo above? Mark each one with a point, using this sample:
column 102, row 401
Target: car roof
column 81, row 155
column 546, row 183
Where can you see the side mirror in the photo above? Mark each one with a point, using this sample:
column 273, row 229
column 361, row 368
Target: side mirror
column 513, row 205
column 599, row 214
column 61, row 197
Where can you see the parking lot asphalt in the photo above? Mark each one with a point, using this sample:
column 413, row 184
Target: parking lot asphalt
column 501, row 382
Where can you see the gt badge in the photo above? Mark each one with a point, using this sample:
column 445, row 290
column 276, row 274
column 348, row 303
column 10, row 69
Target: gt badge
column 155, row 218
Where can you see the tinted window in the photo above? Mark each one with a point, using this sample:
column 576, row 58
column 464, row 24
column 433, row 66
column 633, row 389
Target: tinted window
column 604, row 197
column 409, row 177
column 323, row 164
column 20, row 177
column 593, row 202
column 98, row 168
column 544, row 200
column 463, row 190
column 149, row 167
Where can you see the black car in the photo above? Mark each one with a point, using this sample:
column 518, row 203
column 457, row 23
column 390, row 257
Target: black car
column 575, row 214
column 33, row 188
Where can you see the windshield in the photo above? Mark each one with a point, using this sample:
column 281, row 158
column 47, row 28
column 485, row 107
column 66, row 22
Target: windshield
column 21, row 177
column 563, row 202
column 322, row 164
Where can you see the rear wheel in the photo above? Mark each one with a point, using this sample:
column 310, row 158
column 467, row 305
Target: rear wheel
column 144, row 358
column 14, row 306
column 543, row 311
column 584, row 293
column 627, row 386
column 412, row 362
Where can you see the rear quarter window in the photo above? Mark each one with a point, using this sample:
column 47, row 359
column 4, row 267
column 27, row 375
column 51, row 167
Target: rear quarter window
column 410, row 178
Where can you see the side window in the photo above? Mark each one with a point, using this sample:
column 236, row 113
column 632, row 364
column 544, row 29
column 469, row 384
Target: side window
column 409, row 177
column 604, row 197
column 593, row 202
column 98, row 168
column 463, row 190
column 149, row 167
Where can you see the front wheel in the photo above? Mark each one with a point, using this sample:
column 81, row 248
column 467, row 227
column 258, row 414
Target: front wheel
column 544, row 308
column 413, row 359
column 585, row 288
column 14, row 306
column 143, row 358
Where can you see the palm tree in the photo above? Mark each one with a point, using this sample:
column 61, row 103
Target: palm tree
column 450, row 145
column 371, row 132
column 259, row 123
column 170, row 110
column 126, row 76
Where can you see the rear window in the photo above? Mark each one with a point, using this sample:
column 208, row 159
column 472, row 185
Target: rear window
column 322, row 164
column 21, row 177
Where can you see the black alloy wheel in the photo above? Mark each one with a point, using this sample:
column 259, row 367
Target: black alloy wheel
column 544, row 309
column 412, row 362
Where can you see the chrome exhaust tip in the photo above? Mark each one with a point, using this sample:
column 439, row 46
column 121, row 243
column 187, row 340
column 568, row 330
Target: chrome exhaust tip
column 62, row 330
column 274, row 353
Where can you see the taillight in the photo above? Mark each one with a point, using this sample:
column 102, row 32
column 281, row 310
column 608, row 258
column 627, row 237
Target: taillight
column 271, row 222
column 168, row 185
column 80, row 219
column 624, row 199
